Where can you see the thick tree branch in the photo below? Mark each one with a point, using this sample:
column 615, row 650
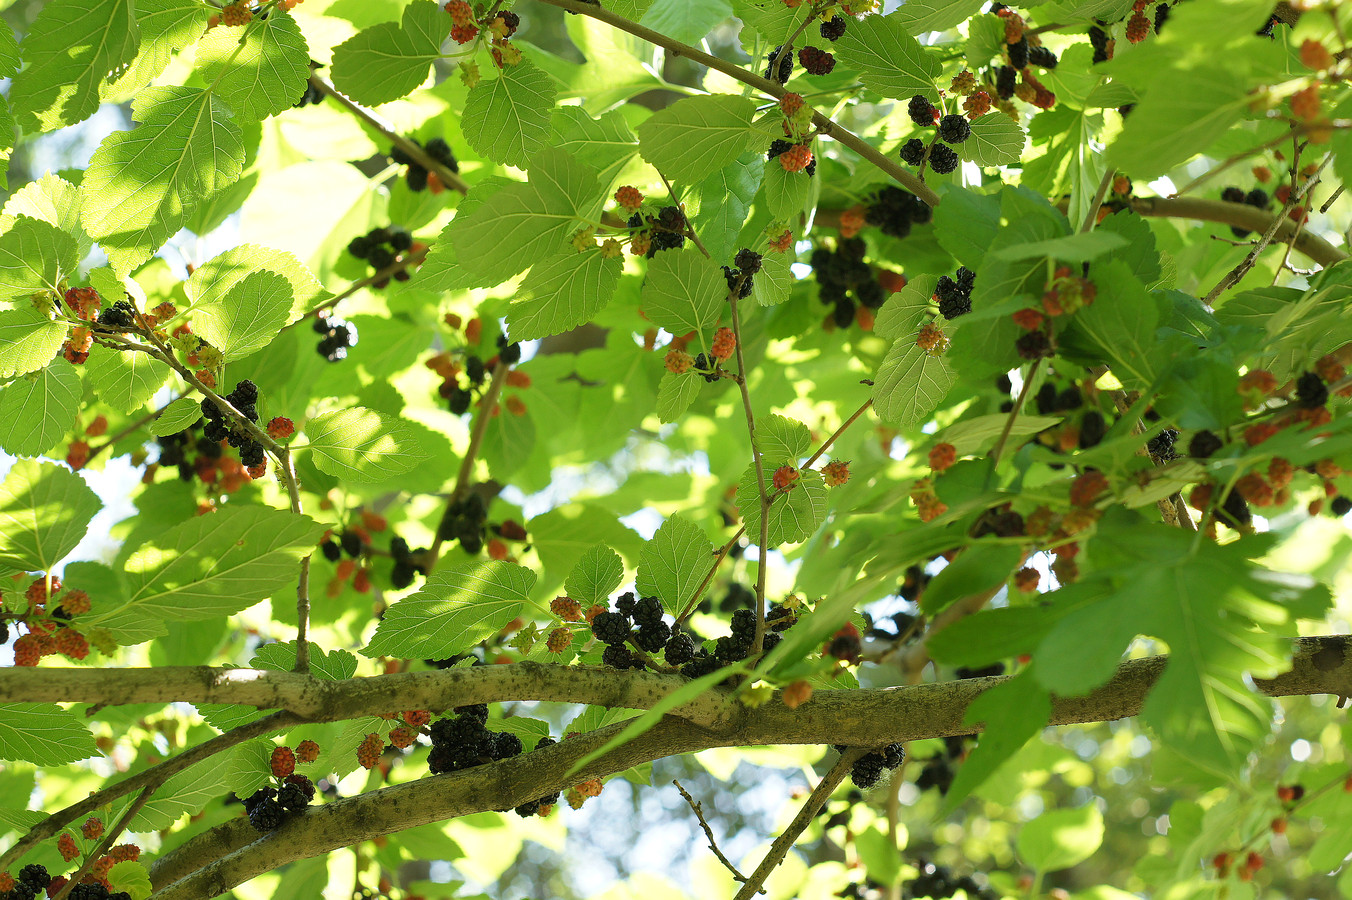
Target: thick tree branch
column 1238, row 214
column 856, row 718
column 823, row 124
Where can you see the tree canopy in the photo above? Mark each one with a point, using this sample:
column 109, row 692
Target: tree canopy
column 921, row 431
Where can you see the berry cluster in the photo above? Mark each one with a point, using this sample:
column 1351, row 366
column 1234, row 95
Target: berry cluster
column 464, row 521
column 200, row 458
column 745, row 266
column 416, row 176
column 244, row 398
column 269, row 806
column 637, row 622
column 894, row 211
column 121, row 316
column 407, row 563
column 33, row 879
column 649, row 234
column 845, row 280
column 336, row 336
column 48, row 623
column 732, row 648
column 1257, row 198
column 869, row 768
column 953, row 129
column 382, row 247
column 955, row 294
column 793, row 157
column 464, row 741
column 1102, row 43
column 1070, row 434
column 93, row 885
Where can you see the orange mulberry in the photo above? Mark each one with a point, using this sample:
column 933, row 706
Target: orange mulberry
column 92, row 828
column 236, row 14
column 307, row 751
column 283, row 762
column 368, row 752
column 724, row 344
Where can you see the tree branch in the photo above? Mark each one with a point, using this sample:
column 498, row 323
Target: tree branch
column 823, row 124
column 1238, row 214
column 857, row 718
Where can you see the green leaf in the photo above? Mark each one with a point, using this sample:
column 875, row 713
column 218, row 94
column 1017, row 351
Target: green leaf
column 44, row 512
column 774, row 281
column 596, row 574
column 695, row 137
column 387, row 61
column 330, row 665
column 965, row 224
column 688, row 21
column 361, row 444
column 684, row 291
column 213, row 565
column 793, row 516
column 68, row 51
column 674, row 563
column 675, row 394
column 142, row 184
column 55, row 201
column 454, row 610
column 506, row 118
column 563, row 292
column 607, row 143
column 786, row 193
column 997, row 140
column 978, row 568
column 1179, row 120
column 124, row 379
column 1122, row 321
column 910, row 384
column 920, row 16
column 724, row 200
column 35, row 256
column 522, row 222
column 247, row 317
column 37, row 409
column 132, row 877
column 185, row 794
column 183, row 413
column 43, row 733
column 973, row 436
column 1061, row 838
column 782, row 440
column 890, row 61
column 903, row 312
column 1072, row 248
column 1013, row 712
column 878, row 852
column 214, row 291
column 260, row 73
column 167, row 26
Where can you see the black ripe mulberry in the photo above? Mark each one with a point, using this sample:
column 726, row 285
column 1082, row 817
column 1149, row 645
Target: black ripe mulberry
column 921, row 111
column 1018, row 54
column 617, row 656
column 1311, row 391
column 913, row 152
column 611, row 628
column 785, row 64
column 834, row 28
column 942, row 159
column 267, row 815
column 1204, row 444
column 1041, row 56
column 953, row 129
column 1340, row 506
column 816, row 61
column 680, row 649
column 1006, row 79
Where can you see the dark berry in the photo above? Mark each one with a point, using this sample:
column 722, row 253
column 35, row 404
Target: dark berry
column 1033, row 345
column 1018, row 54
column 748, row 261
column 378, row 235
column 680, row 649
column 652, row 637
column 509, row 352
column 351, row 543
column 1258, row 197
column 816, row 61
column 474, row 370
column 292, row 798
column 866, row 771
column 1161, row 16
column 611, row 628
column 921, row 111
column 459, row 401
column 332, row 552
column 647, row 611
column 627, row 602
column 617, row 656
column 942, row 159
column 953, row 129
column 400, row 239
column 504, row 745
column 1233, row 195
column 732, row 276
column 398, row 156
column 1234, row 511
column 35, row 875
column 785, row 65
column 1311, row 391
column 956, row 306
column 913, row 152
column 380, row 257
column 843, row 314
column 1204, row 444
column 438, row 149
column 416, row 176
column 1043, row 57
column 1092, row 429
column 267, row 815
column 834, row 28
column 359, row 247
column 1161, row 446
column 1006, row 79
column 1340, row 505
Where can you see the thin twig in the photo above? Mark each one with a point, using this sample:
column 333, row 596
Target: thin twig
column 412, row 148
column 780, row 848
column 1337, row 192
column 131, row 429
column 399, row 265
column 1091, row 217
column 713, row 845
column 1009, row 422
column 824, row 124
column 465, row 479
column 760, row 475
column 149, row 778
column 112, row 835
column 1231, row 160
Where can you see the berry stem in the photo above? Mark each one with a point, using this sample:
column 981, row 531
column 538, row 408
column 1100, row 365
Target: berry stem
column 815, row 801
column 108, row 840
column 698, row 810
column 412, row 148
column 1009, row 422
column 824, row 124
column 465, row 479
column 758, row 642
column 1091, row 215
column 404, row 262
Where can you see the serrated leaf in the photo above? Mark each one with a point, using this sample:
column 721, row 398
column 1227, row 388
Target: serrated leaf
column 1061, row 838
column 211, row 284
column 38, row 408
column 889, row 60
column 996, row 140
column 782, row 440
column 793, row 517
column 361, row 444
column 920, row 16
column 213, row 565
column 386, row 61
column 69, row 49
column 774, row 282
column 1072, row 248
column 44, row 512
column 260, row 73
column 506, row 118
column 280, row 656
column 454, row 610
column 903, row 311
column 978, row 568
column 142, row 184
column 562, row 292
column 724, row 200
column 695, row 137
column 608, row 143
column 43, row 733
column 786, row 193
column 675, row 394
column 35, row 256
column 53, row 200
column 167, row 26
column 185, row 794
column 182, row 414
column 247, row 317
column 522, row 222
column 674, row 563
column 1178, row 121
column 132, row 877
column 124, row 380
column 596, row 574
column 910, row 384
column 1013, row 713
column 973, row 436
column 684, row 291
column 1122, row 321
column 688, row 21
